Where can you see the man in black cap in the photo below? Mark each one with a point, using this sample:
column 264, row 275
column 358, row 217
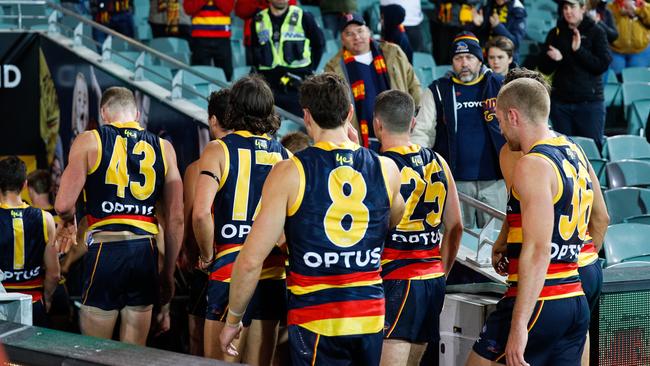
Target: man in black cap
column 370, row 67
column 457, row 117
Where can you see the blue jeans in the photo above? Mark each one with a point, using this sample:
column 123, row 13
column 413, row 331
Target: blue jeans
column 586, row 119
column 621, row 61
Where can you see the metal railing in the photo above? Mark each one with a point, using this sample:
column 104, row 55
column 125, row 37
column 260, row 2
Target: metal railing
column 486, row 235
column 80, row 38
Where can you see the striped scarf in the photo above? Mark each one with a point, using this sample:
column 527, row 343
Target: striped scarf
column 357, row 83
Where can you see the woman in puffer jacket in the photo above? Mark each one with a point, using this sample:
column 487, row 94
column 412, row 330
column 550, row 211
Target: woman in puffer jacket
column 632, row 19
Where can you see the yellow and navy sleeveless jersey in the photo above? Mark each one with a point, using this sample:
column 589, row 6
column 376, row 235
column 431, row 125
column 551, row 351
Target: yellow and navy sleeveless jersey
column 248, row 161
column 588, row 254
column 335, row 232
column 126, row 181
column 23, row 237
column 572, row 208
column 412, row 249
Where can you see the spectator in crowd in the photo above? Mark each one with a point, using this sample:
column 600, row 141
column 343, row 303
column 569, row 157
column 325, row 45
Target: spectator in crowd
column 167, row 18
column 287, row 45
column 600, row 14
column 334, row 12
column 114, row 14
column 412, row 22
column 507, row 18
column 633, row 22
column 370, row 67
column 295, row 141
column 211, row 31
column 392, row 29
column 457, row 118
column 78, row 6
column 576, row 51
column 245, row 10
column 453, row 17
column 500, row 55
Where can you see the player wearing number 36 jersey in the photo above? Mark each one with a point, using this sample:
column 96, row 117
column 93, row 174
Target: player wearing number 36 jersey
column 336, row 202
column 124, row 171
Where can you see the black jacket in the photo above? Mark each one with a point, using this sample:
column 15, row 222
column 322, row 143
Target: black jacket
column 578, row 76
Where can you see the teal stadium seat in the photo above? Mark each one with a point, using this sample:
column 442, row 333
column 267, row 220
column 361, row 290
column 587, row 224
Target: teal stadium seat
column 623, row 203
column 238, row 52
column 332, row 45
column 609, row 77
column 641, row 219
column 441, row 70
column 216, row 73
column 593, row 154
column 633, row 91
column 626, row 243
column 168, row 45
column 628, row 173
column 315, row 12
column 637, row 117
column 158, row 74
column 239, row 72
column 623, row 147
column 636, row 74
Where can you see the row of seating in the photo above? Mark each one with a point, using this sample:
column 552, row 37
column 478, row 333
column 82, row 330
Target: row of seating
column 632, row 95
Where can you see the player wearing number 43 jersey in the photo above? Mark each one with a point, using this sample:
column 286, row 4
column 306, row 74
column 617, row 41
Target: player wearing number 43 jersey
column 416, row 255
column 336, row 202
column 124, row 171
column 544, row 316
column 232, row 173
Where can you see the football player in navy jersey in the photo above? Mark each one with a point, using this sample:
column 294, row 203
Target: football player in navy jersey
column 124, row 171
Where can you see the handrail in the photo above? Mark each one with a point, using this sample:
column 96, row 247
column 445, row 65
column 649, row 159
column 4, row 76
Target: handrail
column 481, row 206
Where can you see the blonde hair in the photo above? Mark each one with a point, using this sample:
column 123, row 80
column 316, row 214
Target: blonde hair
column 528, row 96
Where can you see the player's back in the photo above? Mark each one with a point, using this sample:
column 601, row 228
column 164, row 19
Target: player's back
column 572, row 208
column 126, row 181
column 412, row 249
column 248, row 161
column 23, row 237
column 335, row 233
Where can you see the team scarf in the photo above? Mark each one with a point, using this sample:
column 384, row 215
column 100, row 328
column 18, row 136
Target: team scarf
column 359, row 89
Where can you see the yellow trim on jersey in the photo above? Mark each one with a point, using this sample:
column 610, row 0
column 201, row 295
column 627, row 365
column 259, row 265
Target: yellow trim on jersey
column 515, row 278
column 302, row 290
column 162, row 151
column 563, row 296
column 243, row 133
column 429, row 276
column 222, row 253
column 560, row 185
column 301, row 187
column 211, row 20
column 445, row 168
column 585, row 259
column 45, row 234
column 273, row 273
column 403, row 150
column 346, row 326
column 226, row 166
column 6, row 206
column 329, row 146
column 552, row 141
column 146, row 226
column 133, row 124
column 22, row 287
column 515, row 235
column 99, row 153
column 473, row 82
column 389, row 192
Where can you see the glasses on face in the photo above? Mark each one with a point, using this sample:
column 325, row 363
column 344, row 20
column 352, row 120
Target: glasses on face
column 360, row 32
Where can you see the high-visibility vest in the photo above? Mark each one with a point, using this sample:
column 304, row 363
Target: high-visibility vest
column 292, row 50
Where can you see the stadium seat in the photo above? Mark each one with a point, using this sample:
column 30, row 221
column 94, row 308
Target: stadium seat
column 626, row 202
column 143, row 32
column 441, row 70
column 641, row 219
column 421, row 59
column 332, row 45
column 593, row 154
column 216, row 73
column 159, row 74
column 627, row 242
column 238, row 52
column 633, row 91
column 628, row 173
column 170, row 45
column 315, row 12
column 623, row 147
column 126, row 59
column 237, row 32
column 239, row 72
column 609, row 77
column 425, row 76
column 636, row 74
column 638, row 116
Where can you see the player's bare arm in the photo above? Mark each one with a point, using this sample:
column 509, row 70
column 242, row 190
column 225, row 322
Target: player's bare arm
column 395, row 183
column 212, row 162
column 599, row 219
column 452, row 221
column 536, row 184
column 51, row 262
column 173, row 215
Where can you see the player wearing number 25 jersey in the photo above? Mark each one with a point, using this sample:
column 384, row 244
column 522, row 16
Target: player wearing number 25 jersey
column 335, row 202
column 124, row 171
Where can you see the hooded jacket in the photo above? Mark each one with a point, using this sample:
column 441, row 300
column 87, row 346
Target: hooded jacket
column 393, row 30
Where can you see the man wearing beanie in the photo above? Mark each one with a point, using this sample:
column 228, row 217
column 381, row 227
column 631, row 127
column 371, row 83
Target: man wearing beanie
column 457, row 117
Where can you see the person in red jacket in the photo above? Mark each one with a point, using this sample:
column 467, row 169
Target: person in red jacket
column 211, row 31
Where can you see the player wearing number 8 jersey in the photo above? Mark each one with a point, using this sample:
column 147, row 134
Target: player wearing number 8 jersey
column 233, row 170
column 124, row 171
column 544, row 309
column 416, row 256
column 336, row 202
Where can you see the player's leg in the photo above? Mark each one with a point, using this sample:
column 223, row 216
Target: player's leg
column 135, row 322
column 211, row 345
column 395, row 352
column 260, row 342
column 417, row 351
column 198, row 287
column 96, row 322
column 475, row 360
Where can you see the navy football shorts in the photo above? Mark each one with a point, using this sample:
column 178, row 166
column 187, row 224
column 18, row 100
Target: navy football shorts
column 591, row 277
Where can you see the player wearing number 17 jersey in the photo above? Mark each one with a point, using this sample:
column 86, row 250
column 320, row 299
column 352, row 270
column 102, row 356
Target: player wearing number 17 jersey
column 124, row 171
column 416, row 255
column 336, row 202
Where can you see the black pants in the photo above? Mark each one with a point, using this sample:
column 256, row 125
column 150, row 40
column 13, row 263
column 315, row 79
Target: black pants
column 205, row 51
column 414, row 35
column 160, row 30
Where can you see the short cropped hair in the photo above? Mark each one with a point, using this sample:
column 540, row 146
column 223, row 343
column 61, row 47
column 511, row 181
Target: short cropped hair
column 502, row 43
column 13, row 174
column 327, row 98
column 522, row 72
column 40, row 181
column 118, row 98
column 218, row 104
column 295, row 141
column 528, row 96
column 395, row 109
column 251, row 107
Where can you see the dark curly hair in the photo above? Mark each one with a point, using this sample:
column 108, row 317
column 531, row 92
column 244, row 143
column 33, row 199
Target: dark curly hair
column 327, row 97
column 522, row 72
column 13, row 174
column 251, row 107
